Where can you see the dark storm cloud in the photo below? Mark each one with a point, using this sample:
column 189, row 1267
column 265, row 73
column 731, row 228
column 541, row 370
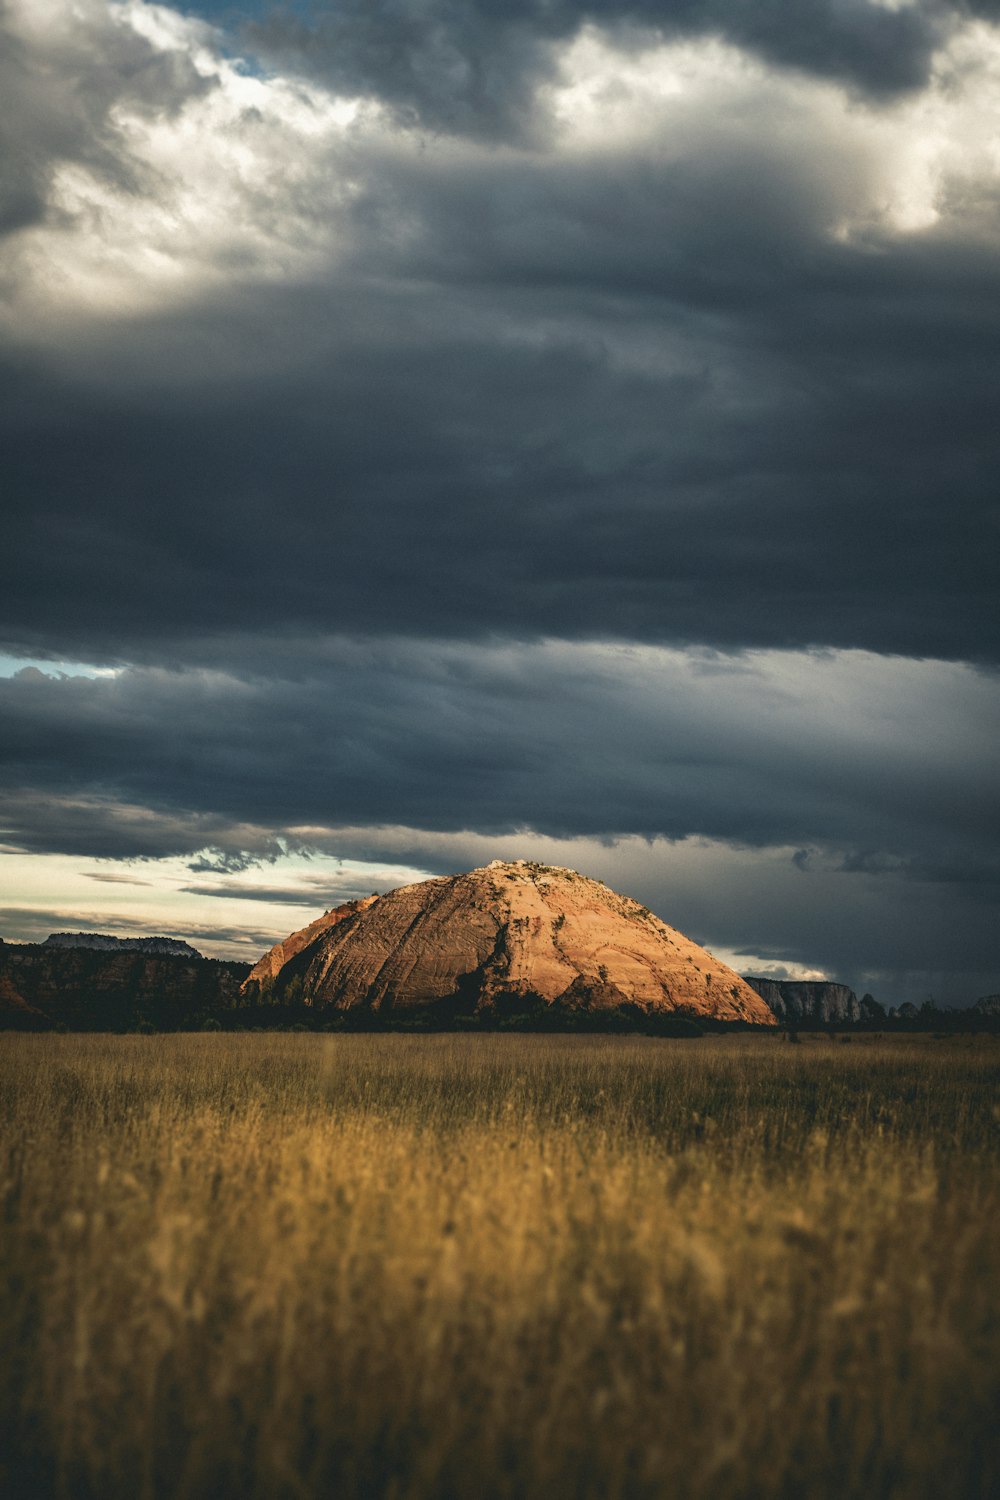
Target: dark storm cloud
column 96, row 822
column 476, row 65
column 842, row 753
column 898, row 938
column 222, row 862
column 818, row 467
column 634, row 392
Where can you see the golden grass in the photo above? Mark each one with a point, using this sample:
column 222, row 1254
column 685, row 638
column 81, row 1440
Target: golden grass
column 444, row 1266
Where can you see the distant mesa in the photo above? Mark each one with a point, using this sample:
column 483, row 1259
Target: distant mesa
column 105, row 944
column 508, row 935
column 813, row 1000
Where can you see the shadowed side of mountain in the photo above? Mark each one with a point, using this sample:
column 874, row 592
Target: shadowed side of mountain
column 87, row 989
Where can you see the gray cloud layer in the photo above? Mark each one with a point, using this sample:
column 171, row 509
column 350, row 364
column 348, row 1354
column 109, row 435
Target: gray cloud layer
column 821, row 471
column 642, row 392
column 853, row 753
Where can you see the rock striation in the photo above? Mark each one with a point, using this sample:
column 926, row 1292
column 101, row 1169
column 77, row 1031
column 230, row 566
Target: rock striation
column 505, row 935
column 805, row 1000
column 260, row 980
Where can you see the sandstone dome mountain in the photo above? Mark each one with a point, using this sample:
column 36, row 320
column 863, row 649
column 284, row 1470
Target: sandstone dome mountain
column 492, row 937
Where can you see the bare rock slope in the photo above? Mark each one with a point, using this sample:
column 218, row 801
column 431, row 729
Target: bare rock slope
column 266, row 970
column 476, row 940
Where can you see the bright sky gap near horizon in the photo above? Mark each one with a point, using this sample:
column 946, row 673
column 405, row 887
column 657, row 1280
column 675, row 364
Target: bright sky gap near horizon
column 534, row 429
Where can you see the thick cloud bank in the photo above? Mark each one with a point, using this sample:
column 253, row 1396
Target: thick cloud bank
column 852, row 752
column 712, row 361
column 470, row 419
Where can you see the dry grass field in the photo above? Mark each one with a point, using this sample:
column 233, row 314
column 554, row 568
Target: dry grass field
column 431, row 1267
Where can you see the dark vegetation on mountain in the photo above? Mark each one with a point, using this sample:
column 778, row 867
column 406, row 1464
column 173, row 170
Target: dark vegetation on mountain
column 87, row 989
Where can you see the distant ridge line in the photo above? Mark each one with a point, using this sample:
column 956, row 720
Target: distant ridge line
column 104, row 942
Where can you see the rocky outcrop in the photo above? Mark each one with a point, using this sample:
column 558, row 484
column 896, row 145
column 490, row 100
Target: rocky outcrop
column 259, row 983
column 91, row 990
column 807, row 1000
column 508, row 935
column 101, row 942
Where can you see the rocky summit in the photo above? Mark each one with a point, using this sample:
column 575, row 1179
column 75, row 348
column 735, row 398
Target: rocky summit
column 507, row 933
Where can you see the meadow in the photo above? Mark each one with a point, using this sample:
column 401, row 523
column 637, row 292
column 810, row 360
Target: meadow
column 444, row 1267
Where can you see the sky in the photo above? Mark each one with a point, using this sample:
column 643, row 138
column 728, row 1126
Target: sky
column 435, row 432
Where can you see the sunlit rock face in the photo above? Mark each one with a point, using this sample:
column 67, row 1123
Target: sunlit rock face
column 266, row 970
column 509, row 931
